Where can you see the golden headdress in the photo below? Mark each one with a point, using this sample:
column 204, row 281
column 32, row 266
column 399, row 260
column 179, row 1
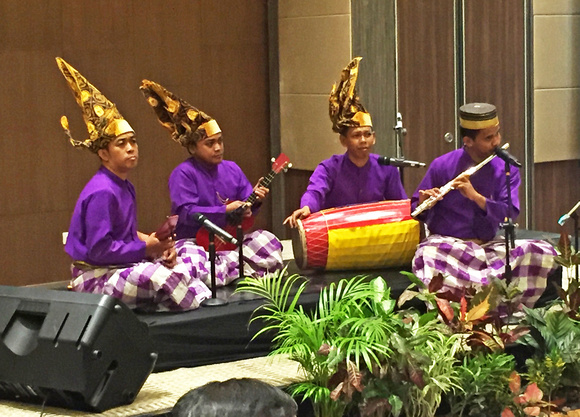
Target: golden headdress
column 344, row 106
column 185, row 122
column 477, row 116
column 103, row 120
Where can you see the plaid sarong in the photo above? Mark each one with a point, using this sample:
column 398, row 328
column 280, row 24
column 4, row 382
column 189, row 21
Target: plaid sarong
column 262, row 255
column 151, row 286
column 465, row 263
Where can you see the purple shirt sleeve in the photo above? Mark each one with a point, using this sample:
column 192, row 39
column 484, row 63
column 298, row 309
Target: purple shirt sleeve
column 338, row 182
column 195, row 188
column 103, row 228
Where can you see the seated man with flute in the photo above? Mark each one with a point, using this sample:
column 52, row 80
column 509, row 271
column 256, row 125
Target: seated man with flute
column 463, row 224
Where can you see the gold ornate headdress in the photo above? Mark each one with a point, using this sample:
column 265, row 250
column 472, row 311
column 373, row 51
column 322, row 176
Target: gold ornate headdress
column 345, row 107
column 103, row 120
column 177, row 115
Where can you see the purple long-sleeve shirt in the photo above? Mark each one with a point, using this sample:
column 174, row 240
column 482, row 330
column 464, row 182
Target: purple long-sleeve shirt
column 197, row 188
column 456, row 215
column 103, row 228
column 338, row 182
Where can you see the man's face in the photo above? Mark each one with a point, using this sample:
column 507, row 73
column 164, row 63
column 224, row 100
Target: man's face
column 209, row 150
column 358, row 141
column 121, row 154
column 484, row 143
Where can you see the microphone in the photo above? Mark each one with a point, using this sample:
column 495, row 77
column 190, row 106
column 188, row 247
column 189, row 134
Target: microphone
column 506, row 156
column 212, row 227
column 566, row 216
column 399, row 162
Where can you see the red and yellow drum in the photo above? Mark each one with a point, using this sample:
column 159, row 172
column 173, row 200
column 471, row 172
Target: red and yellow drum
column 373, row 235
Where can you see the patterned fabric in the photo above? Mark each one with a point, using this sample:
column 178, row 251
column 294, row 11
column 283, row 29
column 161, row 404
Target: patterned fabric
column 465, row 263
column 344, row 106
column 262, row 255
column 148, row 286
column 177, row 115
column 103, row 120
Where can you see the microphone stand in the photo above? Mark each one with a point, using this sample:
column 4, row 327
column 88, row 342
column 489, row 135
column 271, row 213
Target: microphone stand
column 213, row 301
column 508, row 226
column 575, row 217
column 240, row 237
column 400, row 131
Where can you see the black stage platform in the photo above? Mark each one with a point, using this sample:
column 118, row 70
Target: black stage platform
column 220, row 334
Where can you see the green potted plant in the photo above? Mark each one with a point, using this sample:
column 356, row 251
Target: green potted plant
column 347, row 333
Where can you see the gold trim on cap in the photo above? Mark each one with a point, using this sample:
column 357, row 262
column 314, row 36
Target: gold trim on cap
column 362, row 118
column 478, row 124
column 211, row 128
column 118, row 127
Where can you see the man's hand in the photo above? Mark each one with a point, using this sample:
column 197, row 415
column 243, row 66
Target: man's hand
column 154, row 248
column 463, row 184
column 169, row 257
column 301, row 213
column 260, row 191
column 234, row 205
column 426, row 194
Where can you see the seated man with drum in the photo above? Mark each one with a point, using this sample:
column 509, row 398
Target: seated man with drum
column 462, row 225
column 356, row 176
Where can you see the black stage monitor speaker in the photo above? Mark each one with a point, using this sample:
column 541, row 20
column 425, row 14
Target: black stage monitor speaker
column 72, row 350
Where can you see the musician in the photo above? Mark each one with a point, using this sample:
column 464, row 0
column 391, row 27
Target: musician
column 207, row 184
column 354, row 177
column 110, row 255
column 462, row 243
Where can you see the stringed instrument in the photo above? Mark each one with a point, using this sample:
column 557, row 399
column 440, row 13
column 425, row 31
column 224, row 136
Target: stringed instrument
column 235, row 218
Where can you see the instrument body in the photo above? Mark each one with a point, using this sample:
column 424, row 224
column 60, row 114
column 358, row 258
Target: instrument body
column 430, row 202
column 361, row 236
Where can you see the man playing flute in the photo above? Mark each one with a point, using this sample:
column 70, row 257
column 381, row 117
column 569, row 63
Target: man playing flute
column 462, row 226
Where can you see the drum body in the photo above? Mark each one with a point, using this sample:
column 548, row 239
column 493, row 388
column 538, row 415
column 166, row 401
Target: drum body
column 373, row 235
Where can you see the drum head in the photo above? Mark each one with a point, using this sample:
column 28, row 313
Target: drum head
column 299, row 246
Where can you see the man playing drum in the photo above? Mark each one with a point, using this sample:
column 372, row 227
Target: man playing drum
column 462, row 243
column 354, row 177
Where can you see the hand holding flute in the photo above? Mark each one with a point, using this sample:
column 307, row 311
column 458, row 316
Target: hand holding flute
column 428, row 198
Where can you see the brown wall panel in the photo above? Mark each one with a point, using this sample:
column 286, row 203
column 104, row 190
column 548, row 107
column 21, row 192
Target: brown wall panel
column 494, row 68
column 295, row 183
column 213, row 54
column 426, row 81
column 557, row 190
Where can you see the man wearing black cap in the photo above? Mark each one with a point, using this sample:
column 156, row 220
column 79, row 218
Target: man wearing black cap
column 463, row 224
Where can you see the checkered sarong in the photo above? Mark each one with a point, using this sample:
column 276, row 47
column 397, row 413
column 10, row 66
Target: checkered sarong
column 151, row 286
column 464, row 263
column 262, row 254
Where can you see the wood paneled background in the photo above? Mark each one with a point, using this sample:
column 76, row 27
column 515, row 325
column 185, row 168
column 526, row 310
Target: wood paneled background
column 442, row 64
column 214, row 54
